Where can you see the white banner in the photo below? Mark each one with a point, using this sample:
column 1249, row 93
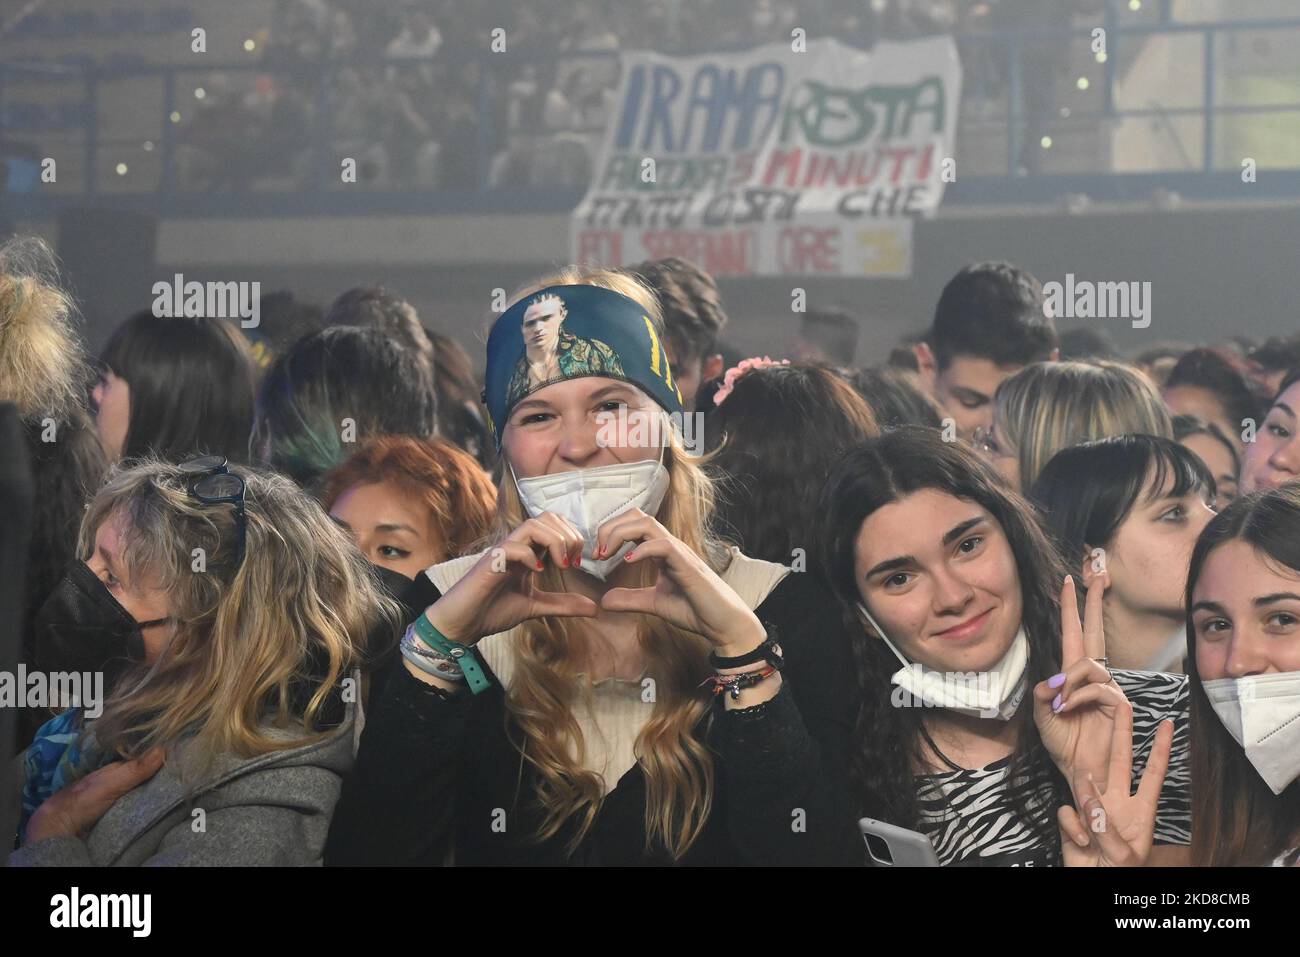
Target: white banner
column 774, row 162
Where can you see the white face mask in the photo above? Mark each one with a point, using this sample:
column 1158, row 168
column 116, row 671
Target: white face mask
column 1262, row 713
column 983, row 694
column 590, row 497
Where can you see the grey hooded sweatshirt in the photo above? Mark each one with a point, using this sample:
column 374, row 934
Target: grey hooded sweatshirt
column 273, row 809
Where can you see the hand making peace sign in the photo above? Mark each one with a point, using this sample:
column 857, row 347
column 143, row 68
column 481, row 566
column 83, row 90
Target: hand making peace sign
column 1116, row 829
column 1075, row 710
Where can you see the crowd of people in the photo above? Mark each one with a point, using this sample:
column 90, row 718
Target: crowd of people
column 631, row 597
column 538, row 115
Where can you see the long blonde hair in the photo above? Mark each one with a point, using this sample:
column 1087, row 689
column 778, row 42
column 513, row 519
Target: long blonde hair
column 261, row 647
column 1050, row 406
column 676, row 762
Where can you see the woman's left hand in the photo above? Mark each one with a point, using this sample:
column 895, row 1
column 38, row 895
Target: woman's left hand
column 1075, row 710
column 688, row 594
column 75, row 809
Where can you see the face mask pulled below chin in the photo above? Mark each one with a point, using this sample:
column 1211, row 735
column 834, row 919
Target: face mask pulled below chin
column 590, row 497
column 1262, row 713
column 82, row 627
column 996, row 693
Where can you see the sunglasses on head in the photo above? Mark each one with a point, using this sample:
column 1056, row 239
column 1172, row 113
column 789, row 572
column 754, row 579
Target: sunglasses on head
column 208, row 480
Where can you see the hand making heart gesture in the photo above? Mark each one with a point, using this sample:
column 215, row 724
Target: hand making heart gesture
column 687, row 594
column 501, row 589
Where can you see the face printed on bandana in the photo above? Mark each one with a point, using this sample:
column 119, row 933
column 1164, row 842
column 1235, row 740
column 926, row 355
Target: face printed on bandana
column 569, row 332
column 551, row 354
column 541, row 327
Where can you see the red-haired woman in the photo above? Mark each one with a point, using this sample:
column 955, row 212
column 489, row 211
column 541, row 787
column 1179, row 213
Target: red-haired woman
column 411, row 503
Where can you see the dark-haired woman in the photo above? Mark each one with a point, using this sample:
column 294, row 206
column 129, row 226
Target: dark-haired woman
column 1243, row 654
column 334, row 390
column 1243, row 650
column 1131, row 506
column 174, row 387
column 896, row 398
column 1219, row 453
column 1214, row 384
column 951, row 577
column 1273, row 459
column 780, row 428
column 460, row 420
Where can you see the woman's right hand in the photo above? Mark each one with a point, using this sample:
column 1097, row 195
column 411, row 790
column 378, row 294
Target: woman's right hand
column 501, row 589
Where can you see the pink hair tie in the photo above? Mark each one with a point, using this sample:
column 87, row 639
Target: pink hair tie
column 735, row 372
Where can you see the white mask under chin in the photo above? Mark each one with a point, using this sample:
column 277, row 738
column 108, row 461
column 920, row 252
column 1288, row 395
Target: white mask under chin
column 995, row 693
column 590, row 497
column 1262, row 713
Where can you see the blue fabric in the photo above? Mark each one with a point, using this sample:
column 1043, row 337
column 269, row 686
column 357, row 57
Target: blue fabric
column 53, row 755
column 591, row 332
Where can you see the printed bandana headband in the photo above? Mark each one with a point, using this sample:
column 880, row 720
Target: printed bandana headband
column 568, row 332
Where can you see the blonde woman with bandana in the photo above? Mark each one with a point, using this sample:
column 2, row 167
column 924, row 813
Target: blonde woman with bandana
column 558, row 693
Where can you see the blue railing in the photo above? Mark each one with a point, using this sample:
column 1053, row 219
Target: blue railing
column 244, row 137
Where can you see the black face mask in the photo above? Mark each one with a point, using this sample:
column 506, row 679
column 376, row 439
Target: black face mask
column 82, row 627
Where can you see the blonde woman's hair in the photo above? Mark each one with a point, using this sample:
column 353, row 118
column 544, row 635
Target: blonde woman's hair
column 262, row 646
column 43, row 368
column 676, row 762
column 1050, row 406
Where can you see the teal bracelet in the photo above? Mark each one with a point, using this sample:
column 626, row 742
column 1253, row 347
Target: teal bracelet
column 463, row 655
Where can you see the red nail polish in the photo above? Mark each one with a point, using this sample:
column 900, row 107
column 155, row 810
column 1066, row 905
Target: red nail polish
column 540, row 566
column 566, row 561
column 628, row 556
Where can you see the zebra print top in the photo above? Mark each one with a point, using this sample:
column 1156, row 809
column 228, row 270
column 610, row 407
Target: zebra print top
column 970, row 815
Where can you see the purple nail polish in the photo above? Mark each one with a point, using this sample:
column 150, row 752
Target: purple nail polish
column 1056, row 703
column 1056, row 680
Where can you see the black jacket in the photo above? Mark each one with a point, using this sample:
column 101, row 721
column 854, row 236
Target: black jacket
column 433, row 773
